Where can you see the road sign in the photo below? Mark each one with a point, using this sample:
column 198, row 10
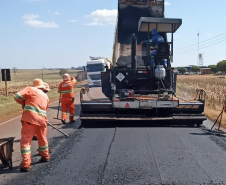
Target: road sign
column 6, row 75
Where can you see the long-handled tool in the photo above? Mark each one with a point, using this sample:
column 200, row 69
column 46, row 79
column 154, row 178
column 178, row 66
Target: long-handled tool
column 219, row 116
column 58, row 108
column 58, row 130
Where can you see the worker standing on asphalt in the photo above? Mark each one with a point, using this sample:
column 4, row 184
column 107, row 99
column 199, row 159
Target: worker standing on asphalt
column 34, row 121
column 45, row 90
column 67, row 97
column 156, row 38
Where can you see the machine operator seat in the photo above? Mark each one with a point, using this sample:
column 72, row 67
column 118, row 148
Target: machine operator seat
column 162, row 53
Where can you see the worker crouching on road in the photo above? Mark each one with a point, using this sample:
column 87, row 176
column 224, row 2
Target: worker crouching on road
column 34, row 121
column 67, row 97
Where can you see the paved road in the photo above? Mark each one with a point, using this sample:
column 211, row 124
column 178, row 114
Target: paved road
column 124, row 155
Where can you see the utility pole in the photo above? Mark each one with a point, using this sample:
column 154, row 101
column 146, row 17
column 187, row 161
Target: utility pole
column 42, row 72
column 198, row 51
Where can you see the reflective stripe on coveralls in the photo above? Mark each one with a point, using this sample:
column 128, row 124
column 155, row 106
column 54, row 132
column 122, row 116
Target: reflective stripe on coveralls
column 25, row 151
column 18, row 96
column 65, row 92
column 43, row 148
column 34, row 109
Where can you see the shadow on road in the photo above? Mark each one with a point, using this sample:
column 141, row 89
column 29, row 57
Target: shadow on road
column 74, row 125
column 6, row 170
column 91, row 124
column 209, row 133
column 16, row 141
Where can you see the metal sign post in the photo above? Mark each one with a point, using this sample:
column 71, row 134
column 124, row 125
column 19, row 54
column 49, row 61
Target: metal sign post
column 6, row 89
column 6, row 77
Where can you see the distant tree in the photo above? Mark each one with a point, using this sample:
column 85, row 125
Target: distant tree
column 182, row 69
column 79, row 68
column 213, row 68
column 72, row 68
column 14, row 70
column 221, row 66
column 62, row 72
column 195, row 69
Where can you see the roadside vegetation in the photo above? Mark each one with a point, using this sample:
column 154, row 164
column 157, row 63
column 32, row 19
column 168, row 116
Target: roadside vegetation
column 24, row 78
column 214, row 86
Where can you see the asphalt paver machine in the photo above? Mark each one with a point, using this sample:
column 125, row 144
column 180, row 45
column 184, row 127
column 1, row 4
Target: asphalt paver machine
column 141, row 86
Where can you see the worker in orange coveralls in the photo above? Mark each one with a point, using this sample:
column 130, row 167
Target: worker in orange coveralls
column 67, row 97
column 47, row 89
column 34, row 121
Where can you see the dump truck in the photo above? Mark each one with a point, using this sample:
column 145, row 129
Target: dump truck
column 141, row 86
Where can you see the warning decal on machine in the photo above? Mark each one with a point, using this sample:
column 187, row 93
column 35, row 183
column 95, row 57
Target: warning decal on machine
column 120, row 77
column 127, row 105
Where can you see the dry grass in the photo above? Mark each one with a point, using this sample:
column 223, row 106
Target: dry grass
column 24, row 78
column 214, row 86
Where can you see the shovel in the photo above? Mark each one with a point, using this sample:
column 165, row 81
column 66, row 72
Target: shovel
column 58, row 108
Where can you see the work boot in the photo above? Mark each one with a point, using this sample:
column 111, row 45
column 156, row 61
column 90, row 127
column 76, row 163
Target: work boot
column 44, row 160
column 63, row 121
column 72, row 121
column 24, row 169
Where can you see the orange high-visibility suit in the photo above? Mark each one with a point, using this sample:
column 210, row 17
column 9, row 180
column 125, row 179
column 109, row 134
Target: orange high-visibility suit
column 34, row 121
column 67, row 97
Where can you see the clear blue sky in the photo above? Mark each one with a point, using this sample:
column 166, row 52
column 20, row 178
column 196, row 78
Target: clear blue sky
column 56, row 33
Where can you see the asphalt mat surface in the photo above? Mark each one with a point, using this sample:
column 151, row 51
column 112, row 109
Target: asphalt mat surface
column 127, row 155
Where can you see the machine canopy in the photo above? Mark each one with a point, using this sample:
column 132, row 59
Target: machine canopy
column 164, row 25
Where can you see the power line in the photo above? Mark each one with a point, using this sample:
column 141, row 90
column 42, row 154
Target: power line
column 201, row 42
column 187, row 50
column 200, row 48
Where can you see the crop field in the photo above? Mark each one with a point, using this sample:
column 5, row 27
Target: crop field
column 214, row 86
column 24, row 78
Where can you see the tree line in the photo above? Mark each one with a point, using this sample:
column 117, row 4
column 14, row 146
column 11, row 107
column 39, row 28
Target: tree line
column 221, row 66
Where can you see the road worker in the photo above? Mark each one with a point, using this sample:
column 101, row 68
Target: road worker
column 34, row 121
column 45, row 90
column 156, row 38
column 67, row 97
